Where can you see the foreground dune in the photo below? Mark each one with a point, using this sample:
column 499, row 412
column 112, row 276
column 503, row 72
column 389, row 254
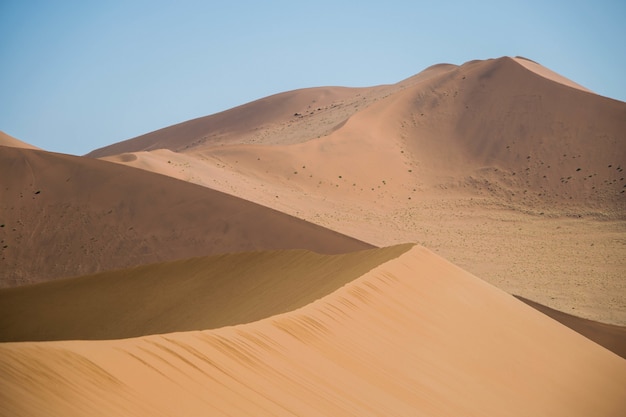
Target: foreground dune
column 191, row 294
column 610, row 336
column 413, row 336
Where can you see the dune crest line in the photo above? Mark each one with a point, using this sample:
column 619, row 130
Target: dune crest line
column 415, row 335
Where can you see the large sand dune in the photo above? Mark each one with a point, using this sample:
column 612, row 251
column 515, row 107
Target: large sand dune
column 413, row 336
column 227, row 294
column 504, row 167
column 62, row 215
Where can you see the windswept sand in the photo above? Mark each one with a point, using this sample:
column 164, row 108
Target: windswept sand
column 191, row 294
column 502, row 166
column 414, row 336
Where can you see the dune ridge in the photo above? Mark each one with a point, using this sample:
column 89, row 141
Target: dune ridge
column 414, row 336
column 191, row 294
column 609, row 336
column 10, row 141
column 547, row 73
column 297, row 115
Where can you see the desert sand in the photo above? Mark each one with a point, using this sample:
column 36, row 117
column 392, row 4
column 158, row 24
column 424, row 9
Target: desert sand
column 190, row 294
column 502, row 166
column 66, row 216
column 255, row 261
column 413, row 336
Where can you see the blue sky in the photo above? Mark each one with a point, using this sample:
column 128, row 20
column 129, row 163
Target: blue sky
column 78, row 75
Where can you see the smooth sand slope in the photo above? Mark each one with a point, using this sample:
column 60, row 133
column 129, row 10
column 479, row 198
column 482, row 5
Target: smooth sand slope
column 413, row 336
column 502, row 166
column 8, row 140
column 289, row 113
column 62, row 215
column 192, row 294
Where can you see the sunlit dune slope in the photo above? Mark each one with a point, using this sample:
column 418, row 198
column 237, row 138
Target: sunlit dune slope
column 487, row 128
column 548, row 73
column 62, row 215
column 507, row 128
column 193, row 294
column 414, row 336
column 293, row 116
column 8, row 140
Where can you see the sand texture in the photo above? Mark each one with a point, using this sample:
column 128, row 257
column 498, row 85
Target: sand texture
column 63, row 215
column 413, row 336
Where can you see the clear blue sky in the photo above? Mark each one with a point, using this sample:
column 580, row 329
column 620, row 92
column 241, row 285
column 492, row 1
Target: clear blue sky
column 78, row 75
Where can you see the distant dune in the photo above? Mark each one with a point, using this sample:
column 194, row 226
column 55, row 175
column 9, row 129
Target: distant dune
column 413, row 336
column 500, row 157
column 245, row 121
column 62, row 215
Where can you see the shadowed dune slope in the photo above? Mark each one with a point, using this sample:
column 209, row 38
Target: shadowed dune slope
column 62, row 215
column 192, row 294
column 413, row 336
column 610, row 336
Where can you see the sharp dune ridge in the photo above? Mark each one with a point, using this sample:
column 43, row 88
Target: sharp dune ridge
column 609, row 336
column 191, row 294
column 206, row 293
column 413, row 336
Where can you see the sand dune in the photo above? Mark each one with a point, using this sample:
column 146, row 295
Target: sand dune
column 296, row 115
column 547, row 73
column 498, row 126
column 414, row 336
column 8, row 140
column 502, row 166
column 191, row 294
column 62, row 215
column 610, row 336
